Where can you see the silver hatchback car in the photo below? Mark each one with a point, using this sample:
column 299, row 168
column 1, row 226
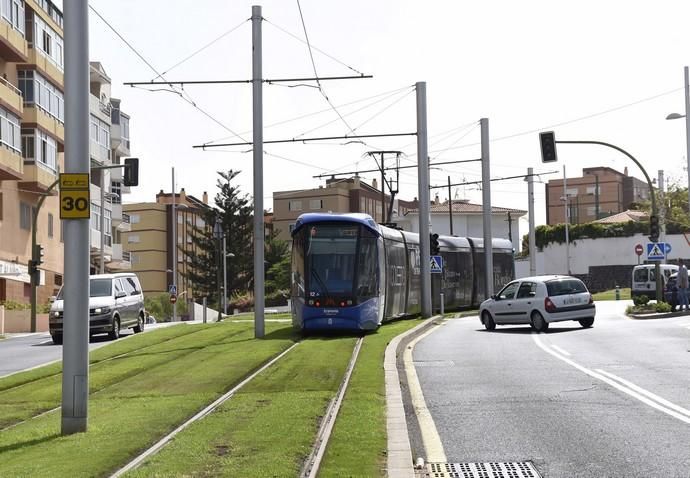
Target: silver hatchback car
column 539, row 301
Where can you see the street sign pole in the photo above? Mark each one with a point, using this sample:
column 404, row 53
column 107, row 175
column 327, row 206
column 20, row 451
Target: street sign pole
column 75, row 351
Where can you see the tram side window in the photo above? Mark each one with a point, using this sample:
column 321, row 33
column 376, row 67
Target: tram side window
column 367, row 263
column 298, row 265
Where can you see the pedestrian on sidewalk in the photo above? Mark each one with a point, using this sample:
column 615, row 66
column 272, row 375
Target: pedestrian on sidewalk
column 682, row 286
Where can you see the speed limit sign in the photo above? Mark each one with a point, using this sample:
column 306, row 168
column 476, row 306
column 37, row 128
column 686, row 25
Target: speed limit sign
column 75, row 200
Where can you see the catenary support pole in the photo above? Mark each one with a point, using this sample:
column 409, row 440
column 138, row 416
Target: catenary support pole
column 687, row 127
column 173, row 251
column 258, row 152
column 486, row 199
column 101, row 224
column 75, row 351
column 423, row 186
column 532, row 236
column 450, row 207
column 567, row 221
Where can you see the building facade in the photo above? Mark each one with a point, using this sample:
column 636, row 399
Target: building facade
column 32, row 135
column 337, row 196
column 467, row 220
column 600, row 192
column 149, row 242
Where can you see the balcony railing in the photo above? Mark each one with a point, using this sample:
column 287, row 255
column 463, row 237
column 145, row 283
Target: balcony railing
column 5, row 82
column 125, row 218
column 127, row 256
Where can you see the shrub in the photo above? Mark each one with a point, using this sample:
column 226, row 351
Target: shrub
column 242, row 300
column 14, row 305
column 663, row 307
column 277, row 297
column 160, row 307
column 640, row 300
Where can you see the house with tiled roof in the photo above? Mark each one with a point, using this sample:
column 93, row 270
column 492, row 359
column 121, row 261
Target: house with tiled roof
column 625, row 216
column 466, row 219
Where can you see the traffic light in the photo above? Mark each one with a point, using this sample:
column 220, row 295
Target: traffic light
column 548, row 146
column 435, row 247
column 131, row 176
column 38, row 254
column 654, row 228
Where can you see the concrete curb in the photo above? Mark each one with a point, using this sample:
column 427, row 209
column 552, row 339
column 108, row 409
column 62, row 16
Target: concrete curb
column 400, row 463
column 658, row 316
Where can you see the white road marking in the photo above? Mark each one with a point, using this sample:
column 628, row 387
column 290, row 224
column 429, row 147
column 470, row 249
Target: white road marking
column 647, row 393
column 430, row 437
column 642, row 397
column 558, row 349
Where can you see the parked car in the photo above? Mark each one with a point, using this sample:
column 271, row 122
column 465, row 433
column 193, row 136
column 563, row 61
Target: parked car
column 539, row 301
column 116, row 302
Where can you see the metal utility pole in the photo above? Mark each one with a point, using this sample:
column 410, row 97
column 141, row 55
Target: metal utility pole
column 101, row 224
column 75, row 351
column 662, row 212
column 225, row 276
column 486, row 199
column 532, row 236
column 567, row 222
column 258, row 152
column 173, row 251
column 450, row 208
column 596, row 199
column 423, row 185
column 687, row 127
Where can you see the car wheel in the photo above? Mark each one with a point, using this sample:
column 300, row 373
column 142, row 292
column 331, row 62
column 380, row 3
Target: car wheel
column 586, row 323
column 538, row 322
column 57, row 339
column 140, row 325
column 488, row 321
column 115, row 333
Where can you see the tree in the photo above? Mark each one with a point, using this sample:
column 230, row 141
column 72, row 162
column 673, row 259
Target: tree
column 277, row 258
column 235, row 213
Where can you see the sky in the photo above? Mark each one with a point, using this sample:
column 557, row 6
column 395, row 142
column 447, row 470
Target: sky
column 589, row 70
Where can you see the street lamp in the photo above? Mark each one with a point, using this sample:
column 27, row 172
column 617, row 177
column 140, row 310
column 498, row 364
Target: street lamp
column 225, row 277
column 673, row 116
column 567, row 223
column 218, row 235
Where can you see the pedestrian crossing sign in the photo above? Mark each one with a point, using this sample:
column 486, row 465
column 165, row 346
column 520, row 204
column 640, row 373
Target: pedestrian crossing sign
column 655, row 251
column 436, row 264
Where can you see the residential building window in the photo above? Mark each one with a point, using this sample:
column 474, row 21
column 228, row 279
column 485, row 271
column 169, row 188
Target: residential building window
column 571, row 192
column 0, row 206
column 39, row 147
column 38, row 91
column 591, row 210
column 133, row 239
column 116, row 189
column 100, row 139
column 46, row 40
column 593, row 190
column 13, row 13
column 134, row 218
column 58, row 279
column 10, row 131
column 50, row 225
column 291, row 227
column 24, row 216
column 108, row 227
column 95, row 216
column 125, row 130
column 295, row 205
column 315, row 204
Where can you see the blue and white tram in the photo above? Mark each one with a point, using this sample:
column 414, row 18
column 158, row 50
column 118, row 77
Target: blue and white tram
column 350, row 273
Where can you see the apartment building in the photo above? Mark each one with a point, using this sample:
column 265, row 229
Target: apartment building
column 150, row 240
column 599, row 192
column 32, row 135
column 31, row 143
column 337, row 196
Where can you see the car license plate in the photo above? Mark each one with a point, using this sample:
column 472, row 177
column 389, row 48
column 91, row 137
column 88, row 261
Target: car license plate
column 572, row 300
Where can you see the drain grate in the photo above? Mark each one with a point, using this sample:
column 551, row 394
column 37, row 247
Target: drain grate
column 519, row 469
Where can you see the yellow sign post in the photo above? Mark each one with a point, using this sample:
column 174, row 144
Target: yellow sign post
column 75, row 202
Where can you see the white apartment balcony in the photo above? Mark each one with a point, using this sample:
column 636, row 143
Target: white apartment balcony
column 13, row 46
column 99, row 109
column 11, row 96
column 121, row 260
column 119, row 143
column 96, row 245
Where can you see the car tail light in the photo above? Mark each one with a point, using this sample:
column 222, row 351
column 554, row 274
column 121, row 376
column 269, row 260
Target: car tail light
column 549, row 306
column 591, row 299
column 317, row 303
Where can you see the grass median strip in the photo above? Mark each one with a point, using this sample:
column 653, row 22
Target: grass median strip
column 133, row 413
column 268, row 427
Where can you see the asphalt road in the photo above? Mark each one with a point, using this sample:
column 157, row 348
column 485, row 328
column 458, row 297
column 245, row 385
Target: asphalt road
column 610, row 401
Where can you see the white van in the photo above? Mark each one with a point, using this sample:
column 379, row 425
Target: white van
column 644, row 280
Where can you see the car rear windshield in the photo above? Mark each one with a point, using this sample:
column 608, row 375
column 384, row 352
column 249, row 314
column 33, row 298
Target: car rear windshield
column 565, row 286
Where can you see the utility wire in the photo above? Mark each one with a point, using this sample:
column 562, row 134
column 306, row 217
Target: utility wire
column 201, row 49
column 320, row 51
column 181, row 93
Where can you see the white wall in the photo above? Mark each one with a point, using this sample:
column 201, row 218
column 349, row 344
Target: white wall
column 598, row 252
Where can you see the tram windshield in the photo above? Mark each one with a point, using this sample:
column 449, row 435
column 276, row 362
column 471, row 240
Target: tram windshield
column 332, row 262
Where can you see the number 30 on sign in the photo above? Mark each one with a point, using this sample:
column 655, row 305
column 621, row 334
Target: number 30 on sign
column 74, row 196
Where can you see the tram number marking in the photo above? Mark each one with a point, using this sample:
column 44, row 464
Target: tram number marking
column 74, row 204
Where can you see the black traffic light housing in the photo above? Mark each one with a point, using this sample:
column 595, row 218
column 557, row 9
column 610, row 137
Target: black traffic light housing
column 435, row 247
column 547, row 139
column 131, row 176
column 37, row 255
column 654, row 228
